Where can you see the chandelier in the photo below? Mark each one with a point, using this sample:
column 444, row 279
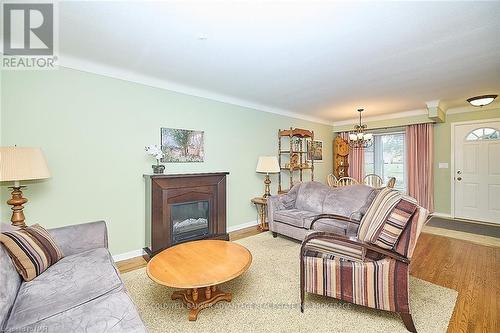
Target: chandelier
column 358, row 138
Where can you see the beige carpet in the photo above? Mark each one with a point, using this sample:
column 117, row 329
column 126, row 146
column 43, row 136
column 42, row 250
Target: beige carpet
column 266, row 299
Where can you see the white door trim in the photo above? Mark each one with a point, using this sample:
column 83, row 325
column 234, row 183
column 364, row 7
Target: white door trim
column 452, row 155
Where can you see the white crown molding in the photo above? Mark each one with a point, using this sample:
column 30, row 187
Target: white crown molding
column 396, row 115
column 125, row 75
column 404, row 114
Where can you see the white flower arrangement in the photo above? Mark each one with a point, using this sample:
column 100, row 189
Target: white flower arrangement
column 155, row 151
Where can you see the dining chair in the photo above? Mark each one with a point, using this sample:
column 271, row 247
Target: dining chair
column 346, row 181
column 331, row 180
column 373, row 180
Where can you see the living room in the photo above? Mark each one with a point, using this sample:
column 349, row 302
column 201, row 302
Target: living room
column 304, row 148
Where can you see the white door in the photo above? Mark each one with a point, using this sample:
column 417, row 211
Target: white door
column 477, row 171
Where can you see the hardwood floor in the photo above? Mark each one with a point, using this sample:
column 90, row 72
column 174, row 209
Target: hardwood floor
column 471, row 269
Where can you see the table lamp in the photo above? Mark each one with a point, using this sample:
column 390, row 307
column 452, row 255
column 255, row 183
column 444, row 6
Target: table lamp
column 18, row 164
column 267, row 165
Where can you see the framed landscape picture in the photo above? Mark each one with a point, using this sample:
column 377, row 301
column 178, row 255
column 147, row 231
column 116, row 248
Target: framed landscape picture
column 180, row 145
column 315, row 150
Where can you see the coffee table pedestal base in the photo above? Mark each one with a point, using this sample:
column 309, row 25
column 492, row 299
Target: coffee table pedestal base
column 197, row 299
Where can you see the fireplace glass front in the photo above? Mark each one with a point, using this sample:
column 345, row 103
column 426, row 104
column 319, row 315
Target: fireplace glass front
column 189, row 221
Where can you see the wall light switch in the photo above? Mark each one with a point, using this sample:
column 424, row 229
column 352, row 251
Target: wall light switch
column 443, row 165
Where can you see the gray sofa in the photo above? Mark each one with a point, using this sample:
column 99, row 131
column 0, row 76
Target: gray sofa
column 83, row 292
column 293, row 213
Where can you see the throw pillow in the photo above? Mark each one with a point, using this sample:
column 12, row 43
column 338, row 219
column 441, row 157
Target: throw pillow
column 377, row 213
column 388, row 235
column 32, row 250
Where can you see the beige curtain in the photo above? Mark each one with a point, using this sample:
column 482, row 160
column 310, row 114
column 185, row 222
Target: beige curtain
column 419, row 159
column 356, row 160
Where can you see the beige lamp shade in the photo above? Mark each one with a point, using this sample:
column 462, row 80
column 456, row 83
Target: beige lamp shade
column 22, row 163
column 268, row 164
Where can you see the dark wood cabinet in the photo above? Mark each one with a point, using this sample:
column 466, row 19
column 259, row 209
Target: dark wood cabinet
column 164, row 192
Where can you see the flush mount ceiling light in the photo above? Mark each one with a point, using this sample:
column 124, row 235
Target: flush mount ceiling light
column 481, row 100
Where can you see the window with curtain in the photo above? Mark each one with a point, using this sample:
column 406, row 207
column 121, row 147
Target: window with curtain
column 387, row 158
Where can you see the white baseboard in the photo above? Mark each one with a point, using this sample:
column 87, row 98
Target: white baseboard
column 442, row 215
column 242, row 226
column 128, row 255
column 138, row 253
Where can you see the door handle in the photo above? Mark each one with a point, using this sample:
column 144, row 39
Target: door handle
column 459, row 178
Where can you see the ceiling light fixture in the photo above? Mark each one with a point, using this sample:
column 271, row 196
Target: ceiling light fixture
column 358, row 138
column 481, row 100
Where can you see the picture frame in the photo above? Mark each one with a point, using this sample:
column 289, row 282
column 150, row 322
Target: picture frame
column 315, row 150
column 181, row 145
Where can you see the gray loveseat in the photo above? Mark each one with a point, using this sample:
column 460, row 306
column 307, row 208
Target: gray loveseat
column 293, row 213
column 83, row 292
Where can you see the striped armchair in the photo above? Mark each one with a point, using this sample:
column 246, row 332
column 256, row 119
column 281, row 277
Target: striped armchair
column 372, row 268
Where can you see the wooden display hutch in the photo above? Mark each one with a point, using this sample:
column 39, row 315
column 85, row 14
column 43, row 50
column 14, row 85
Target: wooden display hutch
column 296, row 154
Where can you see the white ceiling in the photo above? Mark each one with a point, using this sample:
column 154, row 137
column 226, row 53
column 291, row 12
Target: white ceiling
column 322, row 59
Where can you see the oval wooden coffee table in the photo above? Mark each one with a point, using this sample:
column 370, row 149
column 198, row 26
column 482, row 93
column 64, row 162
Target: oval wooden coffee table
column 198, row 267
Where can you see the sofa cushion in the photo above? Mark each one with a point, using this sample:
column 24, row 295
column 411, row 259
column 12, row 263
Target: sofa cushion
column 294, row 217
column 113, row 312
column 329, row 225
column 10, row 281
column 310, row 197
column 74, row 280
column 348, row 200
column 32, row 250
column 331, row 248
column 9, row 278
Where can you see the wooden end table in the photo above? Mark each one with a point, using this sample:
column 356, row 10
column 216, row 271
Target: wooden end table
column 198, row 267
column 261, row 205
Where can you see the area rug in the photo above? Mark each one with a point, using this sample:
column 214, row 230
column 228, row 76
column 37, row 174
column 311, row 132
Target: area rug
column 266, row 299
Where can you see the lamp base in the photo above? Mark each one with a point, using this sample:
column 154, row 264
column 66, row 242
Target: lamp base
column 17, row 201
column 267, row 189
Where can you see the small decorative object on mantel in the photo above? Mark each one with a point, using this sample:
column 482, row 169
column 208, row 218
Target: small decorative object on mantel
column 158, row 154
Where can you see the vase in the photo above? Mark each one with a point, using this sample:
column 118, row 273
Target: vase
column 158, row 168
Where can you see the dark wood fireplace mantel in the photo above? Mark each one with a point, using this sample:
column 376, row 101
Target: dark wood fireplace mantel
column 163, row 192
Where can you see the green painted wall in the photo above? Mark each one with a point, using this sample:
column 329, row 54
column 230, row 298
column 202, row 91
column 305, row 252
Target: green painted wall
column 2, row 205
column 442, row 146
column 93, row 130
